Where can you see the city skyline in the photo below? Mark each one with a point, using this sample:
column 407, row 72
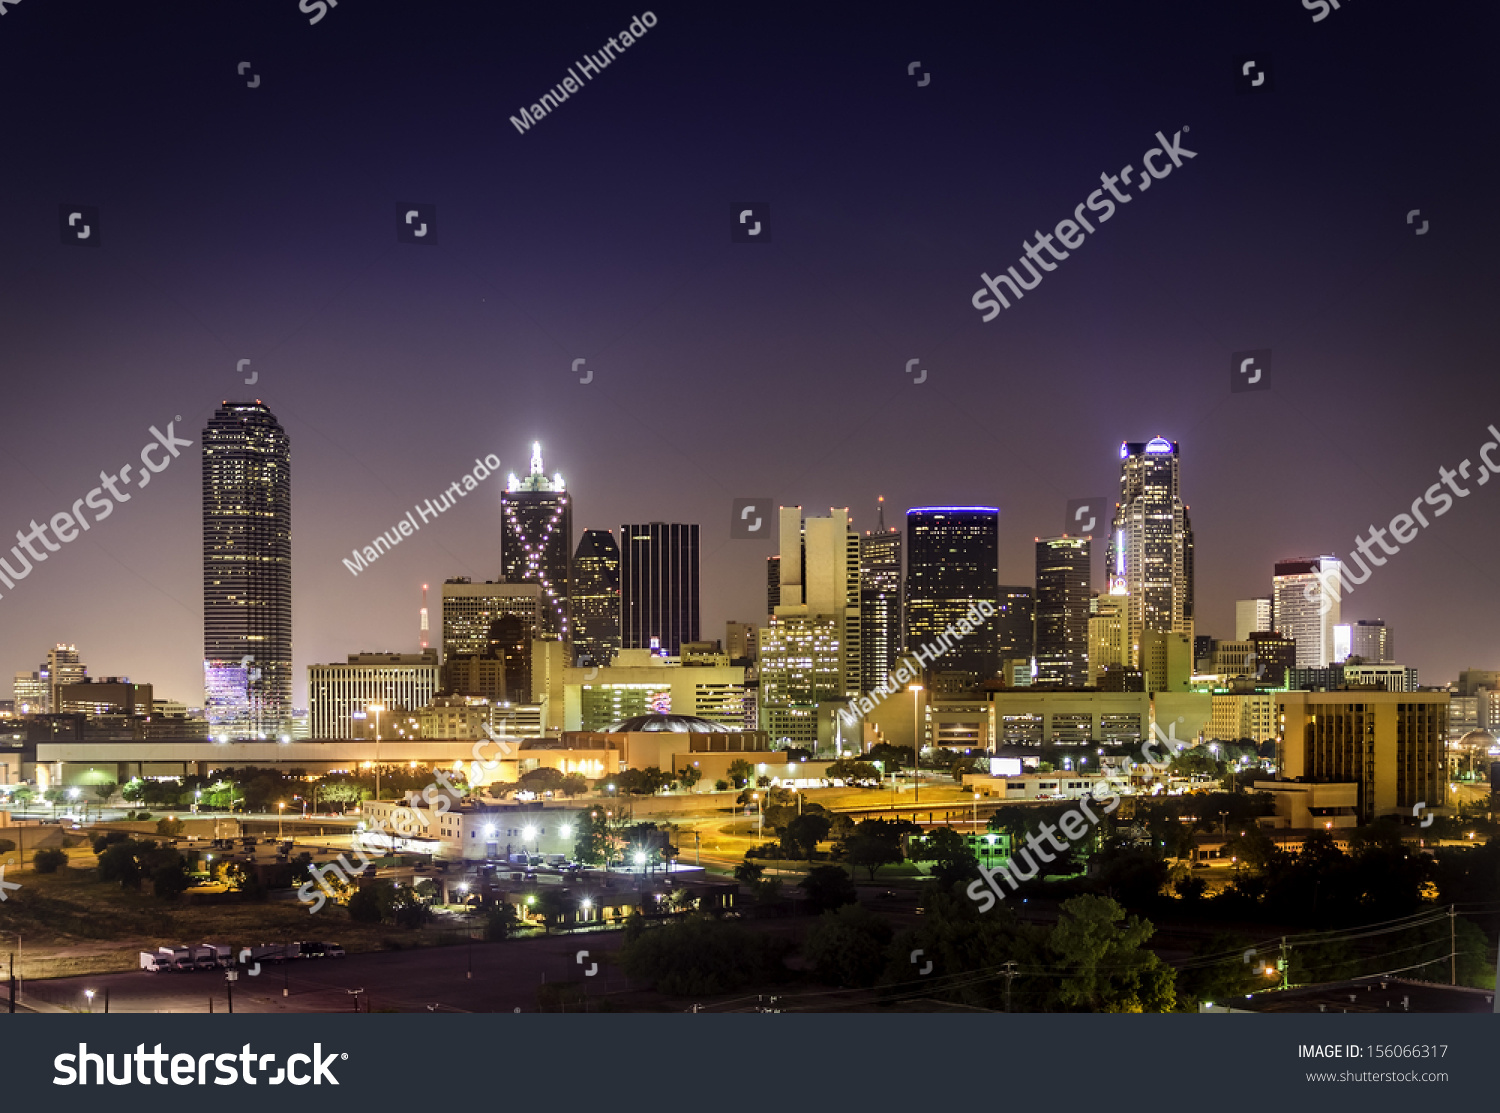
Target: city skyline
column 393, row 365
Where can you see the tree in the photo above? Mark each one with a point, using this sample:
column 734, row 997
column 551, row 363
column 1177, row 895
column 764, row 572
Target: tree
column 1108, row 968
column 827, row 888
column 801, row 835
column 689, row 776
column 169, row 826
column 949, row 852
column 847, row 946
column 105, row 791
column 500, row 922
column 876, row 843
column 739, row 772
column 749, row 873
column 574, row 785
column 595, row 843
column 700, row 956
column 852, row 772
column 542, row 780
column 890, row 757
column 49, row 860
column 118, row 863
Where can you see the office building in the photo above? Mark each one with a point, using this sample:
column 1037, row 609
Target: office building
column 952, row 564
column 64, row 667
column 1032, row 716
column 1275, row 655
column 640, row 683
column 773, row 584
column 247, row 573
column 1307, row 606
column 1389, row 744
column 1015, row 622
column 1166, row 660
column 536, row 542
column 1251, row 615
column 880, row 602
column 1389, row 677
column 1237, row 716
column 33, row 693
column 1231, row 659
column 106, row 695
column 741, row 641
column 1062, row 612
column 470, row 611
column 1150, row 560
column 1106, row 635
column 596, row 598
column 1370, row 640
column 658, row 586
column 340, row 696
column 811, row 650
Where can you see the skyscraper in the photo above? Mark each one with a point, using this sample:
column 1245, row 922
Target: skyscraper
column 1015, row 624
column 596, row 598
column 1106, row 635
column 810, row 651
column 1150, row 559
column 1062, row 611
column 952, row 564
column 247, row 572
column 536, row 542
column 658, row 586
column 879, row 602
column 1306, row 595
column 1251, row 615
column 1371, row 640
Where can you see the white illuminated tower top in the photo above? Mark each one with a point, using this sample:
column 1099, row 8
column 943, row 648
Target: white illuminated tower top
column 537, row 480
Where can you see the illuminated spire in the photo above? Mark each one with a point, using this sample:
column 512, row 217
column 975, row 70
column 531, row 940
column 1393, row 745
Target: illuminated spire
column 882, row 513
column 536, row 458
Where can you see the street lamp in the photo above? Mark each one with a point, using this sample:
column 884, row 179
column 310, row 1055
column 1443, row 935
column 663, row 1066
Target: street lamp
column 280, row 815
column 89, row 993
column 377, row 708
column 529, row 835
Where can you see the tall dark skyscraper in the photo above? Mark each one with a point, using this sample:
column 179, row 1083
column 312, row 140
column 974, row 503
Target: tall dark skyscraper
column 952, row 563
column 1062, row 611
column 1151, row 545
column 1015, row 624
column 596, row 598
column 658, row 585
column 536, row 542
column 879, row 603
column 247, row 573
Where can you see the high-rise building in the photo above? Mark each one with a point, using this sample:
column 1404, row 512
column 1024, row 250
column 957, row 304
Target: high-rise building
column 247, row 573
column 1251, row 615
column 1166, row 659
column 741, row 641
column 1370, row 639
column 810, row 651
column 952, row 564
column 1062, row 612
column 658, row 586
column 1389, row 744
column 1150, row 559
column 33, row 693
column 1275, row 655
column 1015, row 622
column 470, row 609
column 64, row 667
column 1106, row 635
column 596, row 598
column 773, row 584
column 340, row 695
column 1306, row 598
column 879, row 602
column 536, row 542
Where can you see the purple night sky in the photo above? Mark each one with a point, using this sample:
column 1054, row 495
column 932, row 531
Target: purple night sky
column 260, row 223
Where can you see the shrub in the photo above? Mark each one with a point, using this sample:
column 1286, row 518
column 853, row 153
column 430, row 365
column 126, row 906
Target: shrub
column 49, row 861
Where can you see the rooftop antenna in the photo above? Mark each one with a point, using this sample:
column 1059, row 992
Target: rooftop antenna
column 882, row 513
column 424, row 617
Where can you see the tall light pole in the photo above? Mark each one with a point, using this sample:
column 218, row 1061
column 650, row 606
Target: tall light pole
column 916, row 744
column 280, row 815
column 377, row 708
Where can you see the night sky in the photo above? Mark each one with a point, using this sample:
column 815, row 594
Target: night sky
column 261, row 223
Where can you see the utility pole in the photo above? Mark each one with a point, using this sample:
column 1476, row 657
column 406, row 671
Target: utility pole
column 1453, row 944
column 1286, row 967
column 1010, row 973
